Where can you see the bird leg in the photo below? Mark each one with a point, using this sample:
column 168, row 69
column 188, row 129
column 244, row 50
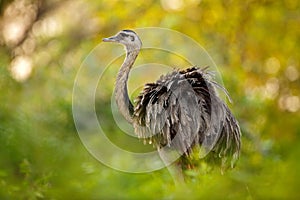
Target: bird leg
column 167, row 155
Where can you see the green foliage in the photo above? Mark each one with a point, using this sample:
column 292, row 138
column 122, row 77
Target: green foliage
column 255, row 45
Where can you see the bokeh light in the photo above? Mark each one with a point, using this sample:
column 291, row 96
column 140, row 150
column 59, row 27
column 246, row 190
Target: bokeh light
column 21, row 68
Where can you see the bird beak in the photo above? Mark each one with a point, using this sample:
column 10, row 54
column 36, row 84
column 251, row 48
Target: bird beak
column 110, row 39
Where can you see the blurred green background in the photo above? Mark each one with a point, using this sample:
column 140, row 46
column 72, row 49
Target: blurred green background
column 255, row 44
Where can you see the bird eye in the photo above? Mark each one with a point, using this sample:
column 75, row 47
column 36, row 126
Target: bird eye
column 123, row 35
column 132, row 38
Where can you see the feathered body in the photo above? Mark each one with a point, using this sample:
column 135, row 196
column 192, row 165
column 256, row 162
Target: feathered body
column 180, row 104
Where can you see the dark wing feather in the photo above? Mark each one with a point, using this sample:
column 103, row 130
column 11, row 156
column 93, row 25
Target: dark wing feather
column 182, row 110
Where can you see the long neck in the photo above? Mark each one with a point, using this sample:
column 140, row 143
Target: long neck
column 121, row 93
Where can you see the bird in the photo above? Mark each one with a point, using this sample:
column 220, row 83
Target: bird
column 179, row 112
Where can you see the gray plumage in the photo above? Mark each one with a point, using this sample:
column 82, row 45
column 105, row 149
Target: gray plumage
column 180, row 110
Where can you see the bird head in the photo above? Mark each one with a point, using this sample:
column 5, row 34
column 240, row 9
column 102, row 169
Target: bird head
column 126, row 37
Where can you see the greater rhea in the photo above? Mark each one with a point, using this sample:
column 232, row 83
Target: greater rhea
column 181, row 111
